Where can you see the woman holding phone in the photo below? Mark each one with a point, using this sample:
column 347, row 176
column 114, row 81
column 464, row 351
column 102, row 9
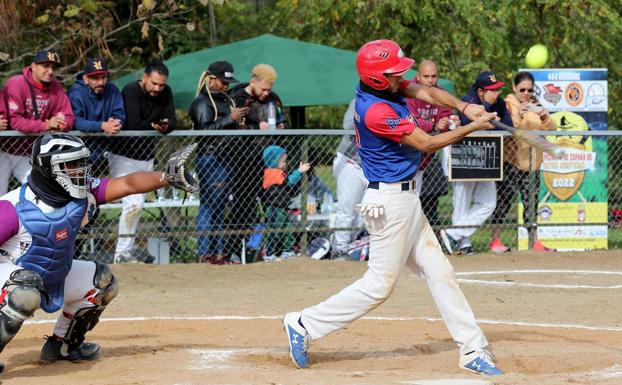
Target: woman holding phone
column 520, row 159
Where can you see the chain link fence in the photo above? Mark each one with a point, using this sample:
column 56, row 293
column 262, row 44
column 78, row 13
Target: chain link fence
column 234, row 216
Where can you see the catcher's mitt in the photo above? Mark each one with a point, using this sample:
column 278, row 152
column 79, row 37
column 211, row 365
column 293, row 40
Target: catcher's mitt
column 177, row 174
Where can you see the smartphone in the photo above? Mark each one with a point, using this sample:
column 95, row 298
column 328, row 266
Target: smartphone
column 535, row 107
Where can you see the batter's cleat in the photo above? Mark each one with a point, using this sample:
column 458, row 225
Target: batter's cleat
column 87, row 351
column 448, row 242
column 298, row 339
column 479, row 361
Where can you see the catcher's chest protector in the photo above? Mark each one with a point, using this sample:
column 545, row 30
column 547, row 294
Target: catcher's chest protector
column 53, row 243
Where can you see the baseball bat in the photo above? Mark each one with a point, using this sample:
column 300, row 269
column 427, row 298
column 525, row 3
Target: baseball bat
column 531, row 139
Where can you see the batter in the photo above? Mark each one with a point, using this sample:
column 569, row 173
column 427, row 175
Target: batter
column 390, row 146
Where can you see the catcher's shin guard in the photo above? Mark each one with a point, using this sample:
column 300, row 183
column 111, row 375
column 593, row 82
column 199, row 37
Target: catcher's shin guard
column 21, row 296
column 86, row 319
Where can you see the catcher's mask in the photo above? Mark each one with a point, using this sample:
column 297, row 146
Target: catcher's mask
column 63, row 158
column 378, row 58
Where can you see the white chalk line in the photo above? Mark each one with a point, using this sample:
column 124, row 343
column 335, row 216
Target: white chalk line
column 430, row 319
column 538, row 285
column 614, row 371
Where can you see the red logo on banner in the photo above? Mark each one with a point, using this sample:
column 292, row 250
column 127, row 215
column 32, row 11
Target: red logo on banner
column 62, row 234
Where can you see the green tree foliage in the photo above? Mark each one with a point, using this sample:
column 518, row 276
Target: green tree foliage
column 463, row 36
column 467, row 36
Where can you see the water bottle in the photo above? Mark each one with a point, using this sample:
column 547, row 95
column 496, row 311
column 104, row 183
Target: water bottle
column 271, row 116
column 327, row 204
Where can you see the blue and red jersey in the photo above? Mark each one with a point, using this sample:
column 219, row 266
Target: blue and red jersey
column 380, row 125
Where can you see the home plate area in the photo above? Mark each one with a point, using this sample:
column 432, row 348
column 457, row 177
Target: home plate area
column 550, row 320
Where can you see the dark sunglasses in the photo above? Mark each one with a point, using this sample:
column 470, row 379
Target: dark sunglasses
column 530, row 90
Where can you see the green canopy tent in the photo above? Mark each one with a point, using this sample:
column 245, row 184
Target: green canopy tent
column 308, row 74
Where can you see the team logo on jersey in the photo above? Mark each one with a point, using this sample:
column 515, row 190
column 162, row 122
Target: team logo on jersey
column 393, row 122
column 62, row 234
column 95, row 182
column 357, row 117
column 13, row 106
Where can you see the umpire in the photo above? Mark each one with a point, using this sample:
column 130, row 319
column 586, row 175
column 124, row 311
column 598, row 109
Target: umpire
column 390, row 144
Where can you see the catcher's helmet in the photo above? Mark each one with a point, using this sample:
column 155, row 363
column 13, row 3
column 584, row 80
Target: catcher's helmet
column 64, row 159
column 380, row 57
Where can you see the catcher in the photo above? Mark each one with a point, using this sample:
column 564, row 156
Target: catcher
column 38, row 228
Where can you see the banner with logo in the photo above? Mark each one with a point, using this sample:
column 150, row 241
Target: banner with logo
column 573, row 190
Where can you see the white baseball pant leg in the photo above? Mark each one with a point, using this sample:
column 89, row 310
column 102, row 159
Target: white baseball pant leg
column 473, row 203
column 78, row 283
column 16, row 165
column 351, row 185
column 132, row 204
column 400, row 235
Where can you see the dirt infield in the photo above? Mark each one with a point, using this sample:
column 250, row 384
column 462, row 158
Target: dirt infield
column 200, row 324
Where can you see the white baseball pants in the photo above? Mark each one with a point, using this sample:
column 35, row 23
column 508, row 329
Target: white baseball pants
column 132, row 204
column 351, row 185
column 473, row 203
column 16, row 165
column 78, row 283
column 402, row 236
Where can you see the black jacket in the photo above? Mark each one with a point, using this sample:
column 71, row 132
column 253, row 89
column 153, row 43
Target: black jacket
column 215, row 114
column 258, row 109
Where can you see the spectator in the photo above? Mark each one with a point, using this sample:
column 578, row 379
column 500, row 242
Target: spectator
column 473, row 202
column 351, row 186
column 278, row 189
column 148, row 106
column 36, row 102
column 258, row 96
column 431, row 119
column 4, row 122
column 98, row 108
column 213, row 109
column 520, row 159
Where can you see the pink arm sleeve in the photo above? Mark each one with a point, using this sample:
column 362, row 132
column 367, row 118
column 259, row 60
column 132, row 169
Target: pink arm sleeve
column 98, row 189
column 10, row 222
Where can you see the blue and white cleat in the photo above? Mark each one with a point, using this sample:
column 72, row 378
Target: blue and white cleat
column 480, row 361
column 298, row 339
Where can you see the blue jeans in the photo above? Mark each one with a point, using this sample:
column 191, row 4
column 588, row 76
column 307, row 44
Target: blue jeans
column 214, row 189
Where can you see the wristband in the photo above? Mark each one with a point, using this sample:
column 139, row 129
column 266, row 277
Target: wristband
column 464, row 108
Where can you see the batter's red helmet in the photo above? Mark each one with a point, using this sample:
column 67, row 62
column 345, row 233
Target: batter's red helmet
column 380, row 57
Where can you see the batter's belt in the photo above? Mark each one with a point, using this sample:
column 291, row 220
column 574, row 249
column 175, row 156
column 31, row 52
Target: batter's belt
column 396, row 186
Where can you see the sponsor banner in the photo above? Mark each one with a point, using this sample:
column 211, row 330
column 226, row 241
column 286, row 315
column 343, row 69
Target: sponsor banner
column 571, row 89
column 573, row 190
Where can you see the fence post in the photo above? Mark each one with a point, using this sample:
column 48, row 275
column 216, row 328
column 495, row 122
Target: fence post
column 304, row 191
column 531, row 216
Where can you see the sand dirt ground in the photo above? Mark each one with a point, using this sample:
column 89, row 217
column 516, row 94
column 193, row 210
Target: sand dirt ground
column 203, row 324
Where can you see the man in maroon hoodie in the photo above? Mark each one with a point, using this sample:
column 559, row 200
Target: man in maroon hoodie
column 431, row 184
column 36, row 103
